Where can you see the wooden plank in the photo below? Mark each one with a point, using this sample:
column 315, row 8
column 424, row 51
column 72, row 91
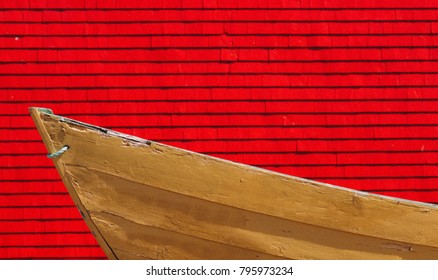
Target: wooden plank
column 153, row 218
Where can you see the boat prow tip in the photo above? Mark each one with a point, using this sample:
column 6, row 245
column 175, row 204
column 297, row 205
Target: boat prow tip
column 39, row 109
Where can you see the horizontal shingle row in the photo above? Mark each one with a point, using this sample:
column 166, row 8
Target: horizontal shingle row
column 224, row 4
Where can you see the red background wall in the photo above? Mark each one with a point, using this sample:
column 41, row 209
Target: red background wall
column 343, row 92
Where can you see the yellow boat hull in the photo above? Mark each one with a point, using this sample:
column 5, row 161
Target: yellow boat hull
column 146, row 200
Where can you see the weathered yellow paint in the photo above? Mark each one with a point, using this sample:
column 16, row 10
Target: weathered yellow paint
column 148, row 200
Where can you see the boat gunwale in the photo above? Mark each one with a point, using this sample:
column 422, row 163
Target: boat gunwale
column 143, row 141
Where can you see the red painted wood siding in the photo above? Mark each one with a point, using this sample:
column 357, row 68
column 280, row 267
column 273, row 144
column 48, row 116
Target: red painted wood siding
column 343, row 92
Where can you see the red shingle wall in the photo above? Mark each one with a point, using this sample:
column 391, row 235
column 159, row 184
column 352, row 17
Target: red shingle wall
column 343, row 92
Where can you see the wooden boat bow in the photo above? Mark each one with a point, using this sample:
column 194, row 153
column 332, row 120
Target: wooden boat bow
column 146, row 200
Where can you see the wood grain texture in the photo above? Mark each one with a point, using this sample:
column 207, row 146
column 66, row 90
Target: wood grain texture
column 150, row 200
